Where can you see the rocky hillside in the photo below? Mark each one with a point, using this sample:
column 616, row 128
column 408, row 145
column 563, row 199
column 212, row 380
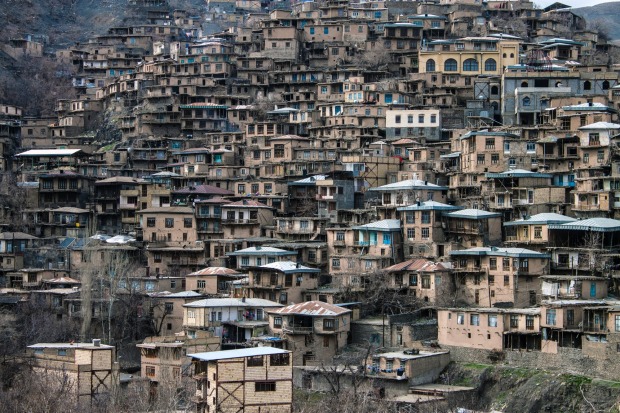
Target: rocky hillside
column 603, row 16
column 518, row 390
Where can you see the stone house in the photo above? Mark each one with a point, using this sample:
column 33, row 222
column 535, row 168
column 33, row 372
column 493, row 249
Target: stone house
column 490, row 328
column 489, row 276
column 91, row 367
column 316, row 331
column 260, row 377
column 236, row 320
column 284, row 281
column 163, row 359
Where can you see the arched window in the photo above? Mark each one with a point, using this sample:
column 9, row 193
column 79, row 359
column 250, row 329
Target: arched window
column 495, row 106
column 587, row 85
column 606, row 85
column 490, row 65
column 504, row 55
column 523, row 84
column 512, row 55
column 494, row 90
column 526, row 101
column 450, row 66
column 430, row 65
column 470, row 65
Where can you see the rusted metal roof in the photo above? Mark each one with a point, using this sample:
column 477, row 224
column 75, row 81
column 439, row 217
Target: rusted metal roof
column 418, row 264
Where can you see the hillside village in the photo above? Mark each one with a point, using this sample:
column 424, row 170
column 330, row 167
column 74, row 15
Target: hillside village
column 325, row 188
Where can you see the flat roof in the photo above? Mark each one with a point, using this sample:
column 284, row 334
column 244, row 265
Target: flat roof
column 50, row 152
column 238, row 353
column 70, row 345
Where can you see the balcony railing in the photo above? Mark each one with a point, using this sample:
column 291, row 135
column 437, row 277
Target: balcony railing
column 289, row 329
column 239, row 221
column 594, row 328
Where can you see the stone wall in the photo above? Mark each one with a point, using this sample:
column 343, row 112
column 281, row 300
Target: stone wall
column 567, row 360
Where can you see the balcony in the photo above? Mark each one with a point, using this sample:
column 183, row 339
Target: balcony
column 239, row 221
column 320, row 197
column 289, row 329
column 594, row 328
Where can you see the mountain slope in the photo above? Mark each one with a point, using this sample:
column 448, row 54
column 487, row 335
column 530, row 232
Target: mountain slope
column 602, row 16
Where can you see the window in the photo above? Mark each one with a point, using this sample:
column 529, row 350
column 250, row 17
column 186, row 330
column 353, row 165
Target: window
column 397, row 119
column 187, row 222
column 450, row 65
column 493, row 263
column 420, row 118
column 474, row 319
column 280, row 359
column 277, row 322
column 261, row 386
column 425, row 233
column 430, row 65
column 387, row 238
column 340, row 236
column 494, row 158
column 329, row 324
column 526, row 101
column 489, row 143
column 433, row 119
column 617, row 323
column 538, row 232
column 470, row 65
column 514, row 321
column 169, row 222
column 255, row 361
column 410, row 233
column 529, row 322
column 150, row 222
column 336, row 263
column 409, row 118
column 460, row 318
column 426, row 282
column 492, row 320
column 490, row 65
column 150, row 371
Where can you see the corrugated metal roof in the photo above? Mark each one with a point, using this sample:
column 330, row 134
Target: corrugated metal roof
column 600, row 125
column 312, row 308
column 71, row 210
column 418, row 264
column 238, row 353
column 232, row 302
column 501, row 252
column 289, row 267
column 430, row 206
column 311, row 180
column 383, row 225
column 473, row 214
column 592, row 224
column 410, row 184
column 518, row 173
column 261, row 251
column 184, row 294
column 543, row 218
column 50, row 152
column 203, row 189
column 246, row 203
column 16, row 235
column 214, row 271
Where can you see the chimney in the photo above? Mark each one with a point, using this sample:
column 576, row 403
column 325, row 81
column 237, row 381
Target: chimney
column 96, row 342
